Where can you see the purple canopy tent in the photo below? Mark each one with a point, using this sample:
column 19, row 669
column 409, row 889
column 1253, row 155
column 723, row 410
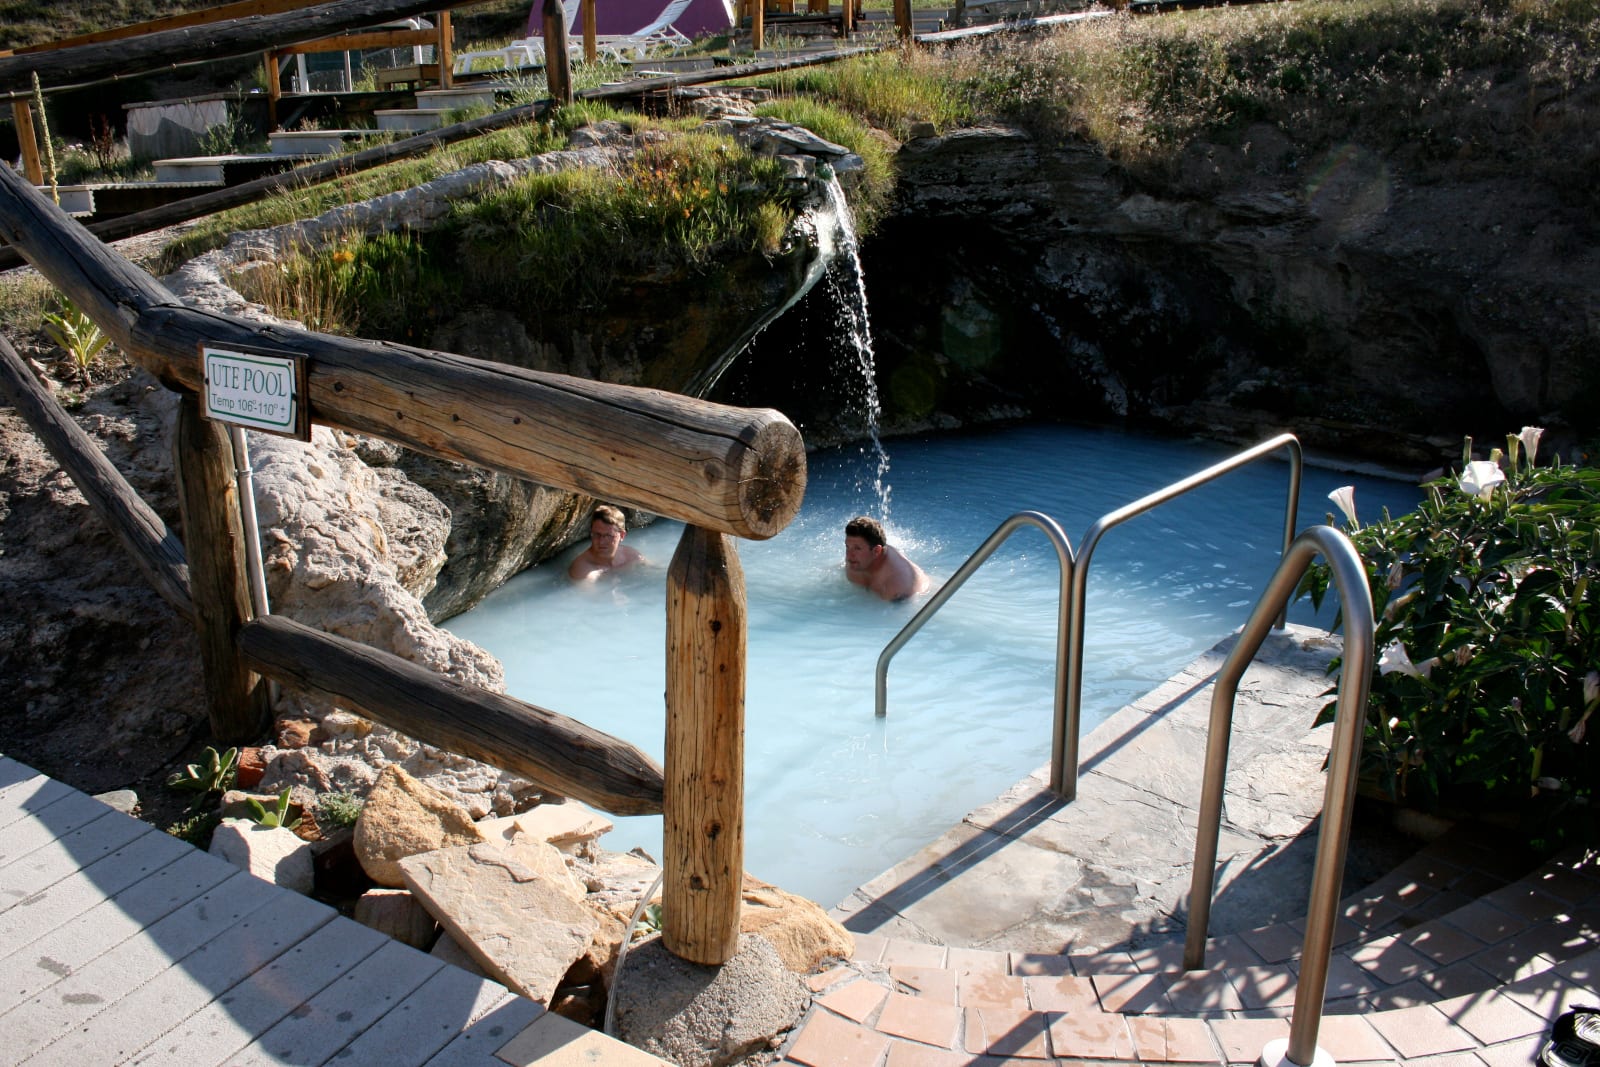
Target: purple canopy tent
column 701, row 18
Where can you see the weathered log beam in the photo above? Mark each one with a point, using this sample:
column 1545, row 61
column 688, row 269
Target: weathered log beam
column 558, row 753
column 170, row 49
column 703, row 829
column 735, row 470
column 355, row 42
column 154, row 548
column 205, row 16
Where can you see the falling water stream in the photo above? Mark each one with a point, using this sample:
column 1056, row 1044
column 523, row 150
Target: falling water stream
column 847, row 284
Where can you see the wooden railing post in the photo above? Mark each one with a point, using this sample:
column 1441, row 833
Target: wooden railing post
column 214, row 539
column 902, row 19
column 557, row 68
column 703, row 839
column 443, row 52
column 591, row 36
column 27, row 143
column 274, row 89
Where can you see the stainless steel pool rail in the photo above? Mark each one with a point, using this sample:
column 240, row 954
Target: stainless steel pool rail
column 1075, row 577
column 1063, row 547
column 1344, row 757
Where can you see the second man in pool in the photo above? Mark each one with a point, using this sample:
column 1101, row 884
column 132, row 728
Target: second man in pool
column 870, row 560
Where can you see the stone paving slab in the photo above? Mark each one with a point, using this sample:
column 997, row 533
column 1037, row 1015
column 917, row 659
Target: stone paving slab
column 1458, row 956
column 1030, row 873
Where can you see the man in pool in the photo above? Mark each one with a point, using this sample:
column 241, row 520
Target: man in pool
column 606, row 552
column 871, row 561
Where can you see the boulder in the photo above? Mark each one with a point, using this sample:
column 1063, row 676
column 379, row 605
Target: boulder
column 403, row 817
column 801, row 932
column 569, row 825
column 521, row 926
column 398, row 914
column 699, row 1016
column 270, row 853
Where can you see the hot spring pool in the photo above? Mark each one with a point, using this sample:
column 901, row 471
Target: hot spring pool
column 835, row 795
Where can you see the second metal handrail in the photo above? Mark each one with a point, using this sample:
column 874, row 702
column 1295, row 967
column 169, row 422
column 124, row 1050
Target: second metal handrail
column 1064, row 755
column 1063, row 547
column 1344, row 755
column 1074, row 585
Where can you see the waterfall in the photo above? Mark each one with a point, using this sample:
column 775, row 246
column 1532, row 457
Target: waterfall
column 847, row 285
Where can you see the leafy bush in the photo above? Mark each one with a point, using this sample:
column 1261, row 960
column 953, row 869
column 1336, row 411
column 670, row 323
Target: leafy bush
column 339, row 809
column 276, row 816
column 1487, row 600
column 77, row 334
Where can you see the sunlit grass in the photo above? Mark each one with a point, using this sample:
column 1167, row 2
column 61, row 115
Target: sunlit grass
column 546, row 240
column 512, row 142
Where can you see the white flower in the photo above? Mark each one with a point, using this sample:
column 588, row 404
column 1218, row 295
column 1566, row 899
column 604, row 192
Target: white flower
column 1480, row 478
column 1530, row 441
column 1591, row 688
column 1345, row 499
column 1394, row 658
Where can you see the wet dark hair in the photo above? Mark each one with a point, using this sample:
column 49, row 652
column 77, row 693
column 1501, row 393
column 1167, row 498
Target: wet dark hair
column 868, row 529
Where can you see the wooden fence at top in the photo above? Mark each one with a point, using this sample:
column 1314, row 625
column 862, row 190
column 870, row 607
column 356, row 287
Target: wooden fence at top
column 726, row 472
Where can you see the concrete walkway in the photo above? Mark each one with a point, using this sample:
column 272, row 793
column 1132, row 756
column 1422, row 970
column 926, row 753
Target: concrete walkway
column 1030, row 873
column 1041, row 933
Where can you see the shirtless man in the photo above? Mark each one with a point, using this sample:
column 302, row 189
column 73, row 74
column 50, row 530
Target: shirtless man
column 869, row 560
column 606, row 552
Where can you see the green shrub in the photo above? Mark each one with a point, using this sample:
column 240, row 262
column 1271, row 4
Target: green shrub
column 276, row 816
column 1487, row 600
column 339, row 809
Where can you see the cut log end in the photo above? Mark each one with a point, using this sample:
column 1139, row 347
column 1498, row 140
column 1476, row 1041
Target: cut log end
column 772, row 477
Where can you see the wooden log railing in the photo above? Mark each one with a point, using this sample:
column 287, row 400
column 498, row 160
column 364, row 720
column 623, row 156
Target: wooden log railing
column 734, row 470
column 558, row 752
column 230, row 39
column 722, row 470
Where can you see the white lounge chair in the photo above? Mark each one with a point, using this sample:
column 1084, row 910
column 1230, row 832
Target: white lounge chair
column 524, row 51
column 658, row 33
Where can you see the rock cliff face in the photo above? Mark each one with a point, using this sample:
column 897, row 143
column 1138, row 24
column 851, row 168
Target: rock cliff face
column 1359, row 309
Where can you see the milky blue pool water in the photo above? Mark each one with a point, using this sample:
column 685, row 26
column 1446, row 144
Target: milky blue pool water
column 835, row 795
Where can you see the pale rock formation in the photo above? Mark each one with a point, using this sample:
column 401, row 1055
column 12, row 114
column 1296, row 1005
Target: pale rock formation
column 270, row 853
column 398, row 914
column 522, row 926
column 569, row 825
column 403, row 817
column 801, row 932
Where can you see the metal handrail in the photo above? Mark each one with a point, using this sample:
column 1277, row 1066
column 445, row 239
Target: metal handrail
column 1074, row 583
column 1355, row 679
column 1063, row 547
column 1064, row 754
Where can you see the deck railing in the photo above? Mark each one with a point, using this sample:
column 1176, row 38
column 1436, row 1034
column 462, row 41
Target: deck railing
column 726, row 472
